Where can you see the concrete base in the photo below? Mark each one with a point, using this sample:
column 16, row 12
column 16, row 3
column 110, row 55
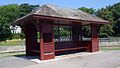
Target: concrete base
column 61, row 57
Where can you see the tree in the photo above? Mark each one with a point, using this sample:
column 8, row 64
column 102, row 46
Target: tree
column 88, row 10
column 116, row 14
column 107, row 29
column 86, row 29
column 117, row 28
column 26, row 8
column 112, row 14
column 10, row 13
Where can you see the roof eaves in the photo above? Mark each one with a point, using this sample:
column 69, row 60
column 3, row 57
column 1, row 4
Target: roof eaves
column 16, row 22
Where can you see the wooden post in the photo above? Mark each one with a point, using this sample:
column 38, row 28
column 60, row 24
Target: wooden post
column 27, row 43
column 47, row 49
column 76, row 32
column 41, row 46
column 39, row 28
column 94, row 38
column 31, row 39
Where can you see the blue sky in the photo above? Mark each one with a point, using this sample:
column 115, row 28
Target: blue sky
column 65, row 3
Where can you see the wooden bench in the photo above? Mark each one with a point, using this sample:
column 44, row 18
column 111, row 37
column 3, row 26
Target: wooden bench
column 68, row 49
column 37, row 51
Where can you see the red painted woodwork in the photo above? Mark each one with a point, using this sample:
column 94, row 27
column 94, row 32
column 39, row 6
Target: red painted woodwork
column 76, row 32
column 63, row 45
column 94, row 38
column 31, row 39
column 47, row 49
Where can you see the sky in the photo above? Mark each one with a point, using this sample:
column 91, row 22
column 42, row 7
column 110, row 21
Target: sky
column 96, row 4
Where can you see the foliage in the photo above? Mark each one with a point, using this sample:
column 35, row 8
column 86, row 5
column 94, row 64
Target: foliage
column 13, row 42
column 109, row 48
column 116, row 14
column 26, row 8
column 16, row 36
column 63, row 32
column 88, row 10
column 107, row 29
column 110, row 13
column 10, row 13
column 86, row 29
column 38, row 35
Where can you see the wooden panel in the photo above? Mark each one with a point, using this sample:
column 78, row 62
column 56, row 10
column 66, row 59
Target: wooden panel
column 73, row 48
column 63, row 47
column 76, row 32
column 94, row 38
column 48, row 56
column 31, row 39
column 47, row 41
column 48, row 48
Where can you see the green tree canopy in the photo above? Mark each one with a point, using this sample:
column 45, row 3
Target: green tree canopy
column 10, row 13
column 88, row 10
column 112, row 14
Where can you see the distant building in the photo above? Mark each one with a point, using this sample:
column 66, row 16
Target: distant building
column 16, row 29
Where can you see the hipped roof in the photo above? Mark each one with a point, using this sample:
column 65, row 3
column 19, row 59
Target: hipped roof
column 67, row 13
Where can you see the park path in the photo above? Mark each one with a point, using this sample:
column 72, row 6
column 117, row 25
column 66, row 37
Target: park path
column 107, row 59
column 12, row 48
column 15, row 62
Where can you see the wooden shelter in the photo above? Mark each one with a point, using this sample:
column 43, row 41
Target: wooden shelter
column 49, row 22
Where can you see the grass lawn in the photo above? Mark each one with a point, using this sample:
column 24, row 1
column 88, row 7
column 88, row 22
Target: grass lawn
column 8, row 54
column 13, row 42
column 110, row 48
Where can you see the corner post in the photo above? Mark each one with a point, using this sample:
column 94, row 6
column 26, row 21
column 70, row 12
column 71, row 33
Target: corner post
column 47, row 49
column 39, row 28
column 94, row 38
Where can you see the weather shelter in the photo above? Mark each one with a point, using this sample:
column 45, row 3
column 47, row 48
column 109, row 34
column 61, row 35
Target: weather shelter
column 51, row 30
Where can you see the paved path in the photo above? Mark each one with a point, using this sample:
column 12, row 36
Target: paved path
column 11, row 48
column 108, row 59
column 15, row 62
